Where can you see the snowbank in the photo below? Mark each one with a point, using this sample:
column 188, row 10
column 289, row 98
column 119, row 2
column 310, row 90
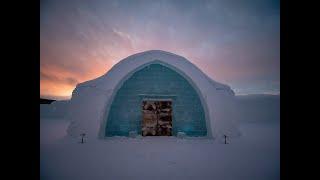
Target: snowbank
column 57, row 109
column 258, row 108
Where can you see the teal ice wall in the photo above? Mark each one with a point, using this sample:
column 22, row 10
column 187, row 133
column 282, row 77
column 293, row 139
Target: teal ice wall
column 156, row 80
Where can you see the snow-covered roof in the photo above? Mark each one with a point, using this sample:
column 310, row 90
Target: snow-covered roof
column 119, row 70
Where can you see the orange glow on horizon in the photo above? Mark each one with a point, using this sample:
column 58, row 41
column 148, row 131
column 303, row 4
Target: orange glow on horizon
column 80, row 42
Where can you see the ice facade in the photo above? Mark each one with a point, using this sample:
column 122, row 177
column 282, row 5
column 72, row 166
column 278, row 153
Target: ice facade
column 156, row 81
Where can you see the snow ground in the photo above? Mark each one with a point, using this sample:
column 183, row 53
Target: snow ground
column 254, row 155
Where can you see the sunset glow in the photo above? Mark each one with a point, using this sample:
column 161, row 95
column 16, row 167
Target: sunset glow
column 234, row 42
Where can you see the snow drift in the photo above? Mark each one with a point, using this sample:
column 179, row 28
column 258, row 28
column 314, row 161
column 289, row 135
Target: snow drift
column 258, row 108
column 57, row 109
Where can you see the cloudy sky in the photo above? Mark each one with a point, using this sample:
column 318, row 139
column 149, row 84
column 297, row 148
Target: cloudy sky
column 236, row 42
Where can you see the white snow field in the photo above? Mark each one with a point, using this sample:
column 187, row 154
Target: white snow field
column 255, row 155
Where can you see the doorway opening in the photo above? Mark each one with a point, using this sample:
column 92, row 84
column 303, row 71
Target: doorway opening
column 156, row 118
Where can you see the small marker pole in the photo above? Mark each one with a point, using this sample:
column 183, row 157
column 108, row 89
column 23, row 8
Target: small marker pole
column 225, row 139
column 82, row 135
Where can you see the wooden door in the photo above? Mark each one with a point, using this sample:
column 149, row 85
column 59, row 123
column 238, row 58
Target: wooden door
column 157, row 118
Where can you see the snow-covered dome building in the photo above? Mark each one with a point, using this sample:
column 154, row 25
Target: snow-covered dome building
column 152, row 93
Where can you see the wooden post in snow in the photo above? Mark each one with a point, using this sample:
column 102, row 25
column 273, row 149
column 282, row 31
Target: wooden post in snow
column 225, row 139
column 82, row 135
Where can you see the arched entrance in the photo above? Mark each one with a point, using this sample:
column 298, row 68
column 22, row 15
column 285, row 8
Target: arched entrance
column 158, row 82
